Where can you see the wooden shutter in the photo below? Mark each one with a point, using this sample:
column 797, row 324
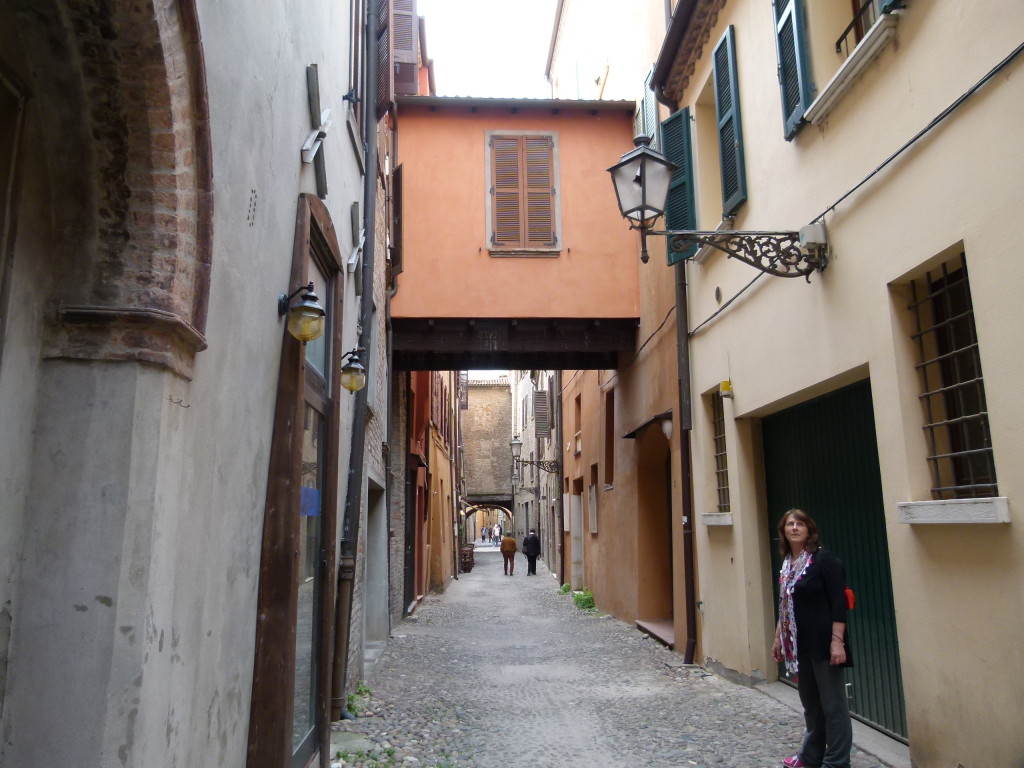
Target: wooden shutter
column 794, row 72
column 505, row 191
column 404, row 50
column 730, row 133
column 523, row 193
column 385, row 72
column 397, row 253
column 540, row 192
column 542, row 422
column 680, row 212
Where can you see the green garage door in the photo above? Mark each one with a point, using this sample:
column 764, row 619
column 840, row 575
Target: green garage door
column 821, row 457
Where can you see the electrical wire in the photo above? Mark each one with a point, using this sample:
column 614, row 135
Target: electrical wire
column 635, row 354
column 935, row 121
column 722, row 308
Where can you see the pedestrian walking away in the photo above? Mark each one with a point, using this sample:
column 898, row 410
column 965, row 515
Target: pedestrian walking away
column 531, row 548
column 508, row 554
column 811, row 638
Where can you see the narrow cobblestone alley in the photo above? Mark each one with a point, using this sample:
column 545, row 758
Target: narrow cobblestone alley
column 506, row 672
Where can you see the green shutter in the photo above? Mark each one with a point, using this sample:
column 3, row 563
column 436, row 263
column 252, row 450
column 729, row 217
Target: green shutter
column 794, row 67
column 680, row 210
column 730, row 133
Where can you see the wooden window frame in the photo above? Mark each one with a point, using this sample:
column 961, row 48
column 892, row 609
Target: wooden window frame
column 522, row 245
column 272, row 704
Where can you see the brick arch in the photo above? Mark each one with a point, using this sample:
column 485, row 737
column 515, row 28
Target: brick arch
column 140, row 281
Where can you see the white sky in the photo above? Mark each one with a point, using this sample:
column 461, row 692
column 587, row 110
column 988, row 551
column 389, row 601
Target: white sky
column 491, row 48
column 486, row 374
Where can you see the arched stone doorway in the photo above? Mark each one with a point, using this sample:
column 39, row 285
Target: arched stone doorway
column 105, row 238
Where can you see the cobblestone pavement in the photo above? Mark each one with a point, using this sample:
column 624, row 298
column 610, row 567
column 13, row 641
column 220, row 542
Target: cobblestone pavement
column 506, row 672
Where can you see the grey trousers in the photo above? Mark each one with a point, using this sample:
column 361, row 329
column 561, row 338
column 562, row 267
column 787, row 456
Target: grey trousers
column 829, row 735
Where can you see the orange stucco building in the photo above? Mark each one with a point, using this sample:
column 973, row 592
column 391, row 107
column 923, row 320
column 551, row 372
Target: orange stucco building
column 505, row 220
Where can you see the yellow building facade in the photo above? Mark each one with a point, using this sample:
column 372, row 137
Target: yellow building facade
column 878, row 394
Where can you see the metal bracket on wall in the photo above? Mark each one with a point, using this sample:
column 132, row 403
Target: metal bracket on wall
column 782, row 254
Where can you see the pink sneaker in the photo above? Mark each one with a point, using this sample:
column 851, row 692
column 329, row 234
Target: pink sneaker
column 794, row 762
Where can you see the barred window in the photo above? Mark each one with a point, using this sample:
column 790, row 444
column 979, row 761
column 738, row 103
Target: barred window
column 721, row 460
column 952, row 388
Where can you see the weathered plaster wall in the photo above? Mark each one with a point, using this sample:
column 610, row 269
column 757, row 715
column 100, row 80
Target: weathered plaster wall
column 146, row 490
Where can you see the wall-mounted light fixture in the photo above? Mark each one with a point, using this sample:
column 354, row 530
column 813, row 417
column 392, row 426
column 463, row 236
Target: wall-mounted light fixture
column 642, row 178
column 353, row 374
column 666, row 428
column 305, row 319
column 517, row 450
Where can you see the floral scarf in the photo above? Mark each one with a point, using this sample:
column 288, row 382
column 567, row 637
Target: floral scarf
column 788, row 577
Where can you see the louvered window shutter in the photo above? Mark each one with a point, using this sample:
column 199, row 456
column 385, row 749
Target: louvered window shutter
column 649, row 111
column 794, row 68
column 680, row 212
column 405, row 25
column 730, row 133
column 385, row 72
column 540, row 192
column 505, row 192
column 540, row 415
column 397, row 237
column 523, row 194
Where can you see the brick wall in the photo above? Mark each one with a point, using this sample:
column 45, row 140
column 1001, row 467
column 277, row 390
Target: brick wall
column 487, row 429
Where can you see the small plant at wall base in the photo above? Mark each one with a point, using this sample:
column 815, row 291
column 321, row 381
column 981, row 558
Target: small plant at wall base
column 584, row 600
column 566, row 589
column 354, row 701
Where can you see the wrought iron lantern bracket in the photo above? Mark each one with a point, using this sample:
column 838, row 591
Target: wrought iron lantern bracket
column 782, row 254
column 547, row 466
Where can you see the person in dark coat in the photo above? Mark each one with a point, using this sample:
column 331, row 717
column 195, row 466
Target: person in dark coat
column 531, row 548
column 811, row 639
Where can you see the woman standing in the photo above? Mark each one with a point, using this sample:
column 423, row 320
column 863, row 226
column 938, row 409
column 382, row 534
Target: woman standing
column 811, row 638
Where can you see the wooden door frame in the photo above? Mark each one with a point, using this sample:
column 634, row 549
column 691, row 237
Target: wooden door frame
column 272, row 704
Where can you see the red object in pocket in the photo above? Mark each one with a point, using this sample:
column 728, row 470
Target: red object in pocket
column 851, row 599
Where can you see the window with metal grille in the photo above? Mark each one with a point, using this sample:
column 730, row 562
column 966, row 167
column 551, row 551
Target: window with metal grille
column 952, row 388
column 721, row 459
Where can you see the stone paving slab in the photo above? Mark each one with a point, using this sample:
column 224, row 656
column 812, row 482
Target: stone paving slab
column 506, row 672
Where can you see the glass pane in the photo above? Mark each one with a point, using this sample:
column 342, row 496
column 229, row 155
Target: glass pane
column 316, row 351
column 310, row 509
